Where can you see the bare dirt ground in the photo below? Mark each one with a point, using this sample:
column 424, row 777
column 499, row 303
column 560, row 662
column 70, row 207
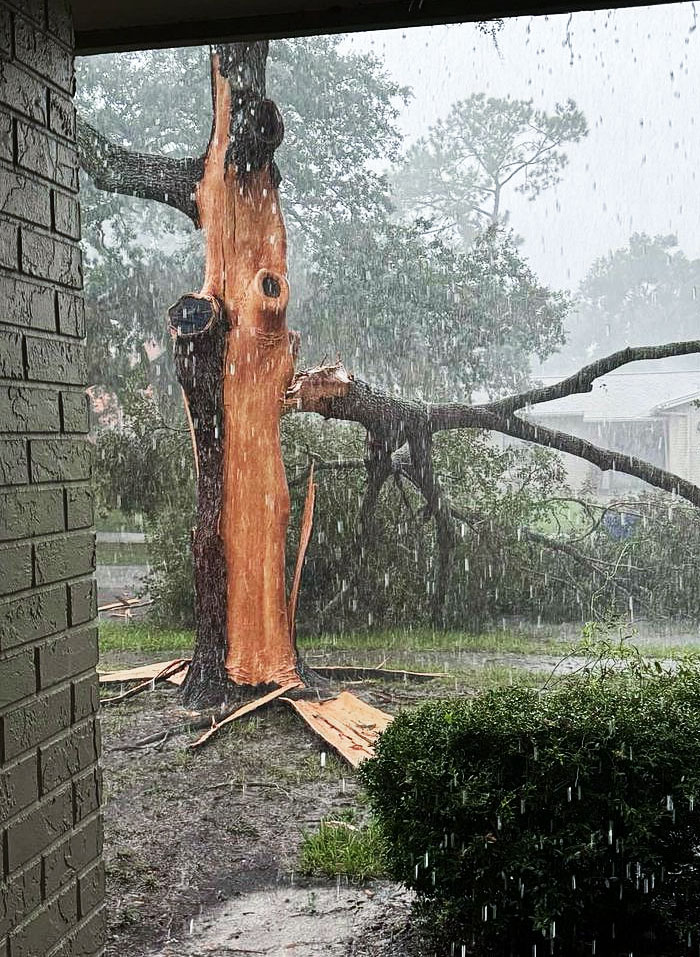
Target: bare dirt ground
column 202, row 847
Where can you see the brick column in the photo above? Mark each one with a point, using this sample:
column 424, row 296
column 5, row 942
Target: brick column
column 52, row 880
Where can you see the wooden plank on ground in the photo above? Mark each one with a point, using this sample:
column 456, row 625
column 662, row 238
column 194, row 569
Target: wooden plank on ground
column 349, row 725
column 147, row 672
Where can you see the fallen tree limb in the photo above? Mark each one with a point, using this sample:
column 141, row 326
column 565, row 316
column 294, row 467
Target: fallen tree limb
column 332, row 392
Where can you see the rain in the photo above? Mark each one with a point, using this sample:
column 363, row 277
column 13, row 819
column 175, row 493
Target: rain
column 395, row 386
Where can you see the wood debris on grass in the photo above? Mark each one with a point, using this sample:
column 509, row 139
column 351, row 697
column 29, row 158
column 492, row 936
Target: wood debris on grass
column 171, row 671
column 349, row 725
column 124, row 606
column 243, row 710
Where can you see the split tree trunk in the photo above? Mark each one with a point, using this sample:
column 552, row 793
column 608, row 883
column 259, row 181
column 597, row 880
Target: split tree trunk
column 234, row 359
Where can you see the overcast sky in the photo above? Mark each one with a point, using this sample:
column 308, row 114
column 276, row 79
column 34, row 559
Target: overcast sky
column 633, row 72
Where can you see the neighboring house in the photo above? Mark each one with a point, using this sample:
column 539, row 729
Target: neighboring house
column 652, row 414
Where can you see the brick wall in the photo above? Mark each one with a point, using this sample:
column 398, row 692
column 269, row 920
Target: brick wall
column 52, row 880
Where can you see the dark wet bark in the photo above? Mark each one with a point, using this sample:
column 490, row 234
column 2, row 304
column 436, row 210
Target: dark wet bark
column 199, row 358
column 118, row 170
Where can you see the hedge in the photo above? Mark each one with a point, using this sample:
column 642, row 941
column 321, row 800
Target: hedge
column 564, row 821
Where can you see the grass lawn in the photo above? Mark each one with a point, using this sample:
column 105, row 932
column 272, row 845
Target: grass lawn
column 141, row 636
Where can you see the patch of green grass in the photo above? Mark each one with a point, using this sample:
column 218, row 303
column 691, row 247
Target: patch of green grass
column 487, row 677
column 143, row 637
column 343, row 848
column 122, row 553
column 428, row 640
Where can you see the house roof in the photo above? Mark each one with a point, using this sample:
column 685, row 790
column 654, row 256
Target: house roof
column 632, row 393
column 103, row 26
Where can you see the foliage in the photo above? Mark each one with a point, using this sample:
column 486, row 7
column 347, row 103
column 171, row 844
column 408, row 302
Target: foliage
column 455, row 177
column 405, row 310
column 533, row 821
column 343, row 847
column 391, row 578
column 641, row 294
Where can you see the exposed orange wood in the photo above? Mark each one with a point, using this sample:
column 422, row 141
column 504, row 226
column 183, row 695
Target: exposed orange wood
column 348, row 724
column 246, row 246
column 307, row 524
column 245, row 709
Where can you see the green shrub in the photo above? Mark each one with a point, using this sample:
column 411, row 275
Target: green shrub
column 559, row 822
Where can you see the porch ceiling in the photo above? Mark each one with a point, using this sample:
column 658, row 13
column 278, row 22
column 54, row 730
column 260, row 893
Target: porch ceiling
column 134, row 24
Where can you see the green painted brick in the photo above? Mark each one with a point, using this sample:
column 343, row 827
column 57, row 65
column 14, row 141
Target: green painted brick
column 55, row 360
column 22, row 91
column 9, row 245
column 72, row 855
column 15, row 568
column 53, row 159
column 35, row 616
column 27, row 304
column 48, row 258
column 13, row 461
column 91, row 889
column 83, row 601
column 23, row 409
column 66, row 556
column 71, row 314
column 90, row 936
column 27, row 726
column 87, row 793
column 11, row 362
column 20, row 895
column 62, row 121
column 40, row 827
column 75, row 410
column 18, row 678
column 67, row 756
column 47, row 926
column 42, row 54
column 86, row 697
column 79, row 506
column 18, row 789
column 55, row 460
column 68, row 655
column 28, row 511
column 25, row 197
column 66, row 214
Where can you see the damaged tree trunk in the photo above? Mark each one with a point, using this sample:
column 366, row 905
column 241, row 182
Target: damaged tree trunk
column 234, row 361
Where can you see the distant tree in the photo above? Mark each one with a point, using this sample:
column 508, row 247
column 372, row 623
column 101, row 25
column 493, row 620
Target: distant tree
column 456, row 177
column 413, row 312
column 644, row 292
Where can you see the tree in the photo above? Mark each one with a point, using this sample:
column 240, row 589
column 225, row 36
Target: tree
column 456, row 177
column 644, row 292
column 234, row 359
column 340, row 110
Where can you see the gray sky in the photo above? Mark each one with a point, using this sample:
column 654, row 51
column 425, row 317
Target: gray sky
column 632, row 72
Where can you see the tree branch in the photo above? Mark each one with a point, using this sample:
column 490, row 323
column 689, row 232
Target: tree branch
column 582, row 381
column 333, row 393
column 117, row 170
